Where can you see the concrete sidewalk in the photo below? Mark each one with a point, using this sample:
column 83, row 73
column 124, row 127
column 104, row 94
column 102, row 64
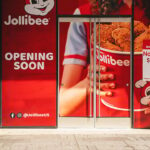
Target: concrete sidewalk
column 73, row 139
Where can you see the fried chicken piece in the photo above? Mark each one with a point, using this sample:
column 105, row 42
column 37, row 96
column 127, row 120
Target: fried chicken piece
column 139, row 28
column 138, row 47
column 105, row 32
column 122, row 24
column 122, row 38
column 138, row 42
column 110, row 46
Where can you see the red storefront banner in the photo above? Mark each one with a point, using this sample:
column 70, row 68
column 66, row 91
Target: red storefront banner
column 116, row 62
column 70, row 51
column 141, row 117
column 28, row 63
column 141, row 91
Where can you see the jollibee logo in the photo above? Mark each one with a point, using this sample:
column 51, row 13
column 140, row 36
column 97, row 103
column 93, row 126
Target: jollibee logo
column 39, row 7
column 145, row 95
column 107, row 59
column 32, row 7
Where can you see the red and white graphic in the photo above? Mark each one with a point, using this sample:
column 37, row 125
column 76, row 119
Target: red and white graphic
column 28, row 67
column 145, row 100
column 146, row 60
column 39, row 7
column 141, row 92
column 117, row 63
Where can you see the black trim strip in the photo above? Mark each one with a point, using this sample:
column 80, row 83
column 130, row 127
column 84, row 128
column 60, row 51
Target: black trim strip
column 1, row 65
column 57, row 68
column 29, row 127
column 132, row 71
column 95, row 16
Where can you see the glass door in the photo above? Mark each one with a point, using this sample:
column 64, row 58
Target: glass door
column 94, row 72
column 75, row 97
column 112, row 46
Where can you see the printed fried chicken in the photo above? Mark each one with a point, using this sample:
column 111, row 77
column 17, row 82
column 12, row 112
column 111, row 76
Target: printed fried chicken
column 122, row 38
column 122, row 24
column 110, row 46
column 139, row 28
column 138, row 42
column 104, row 32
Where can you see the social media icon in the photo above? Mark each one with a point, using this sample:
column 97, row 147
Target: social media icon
column 12, row 115
column 19, row 115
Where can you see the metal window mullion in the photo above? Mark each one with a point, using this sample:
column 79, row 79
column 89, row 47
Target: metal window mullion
column 131, row 71
column 58, row 102
column 99, row 67
column 94, row 71
column 77, row 19
column 90, row 68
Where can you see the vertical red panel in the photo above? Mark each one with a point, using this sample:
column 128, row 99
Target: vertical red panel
column 29, row 64
column 141, row 42
column 141, row 109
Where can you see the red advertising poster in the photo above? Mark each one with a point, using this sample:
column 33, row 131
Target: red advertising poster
column 141, row 87
column 141, row 64
column 83, row 109
column 94, row 7
column 75, row 40
column 29, row 63
column 114, row 57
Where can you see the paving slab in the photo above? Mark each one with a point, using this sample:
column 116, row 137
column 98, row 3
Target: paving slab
column 31, row 139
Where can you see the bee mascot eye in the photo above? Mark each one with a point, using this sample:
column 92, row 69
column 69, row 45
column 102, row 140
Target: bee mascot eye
column 148, row 92
column 34, row 1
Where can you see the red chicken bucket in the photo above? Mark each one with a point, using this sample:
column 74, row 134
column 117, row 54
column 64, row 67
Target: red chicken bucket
column 118, row 63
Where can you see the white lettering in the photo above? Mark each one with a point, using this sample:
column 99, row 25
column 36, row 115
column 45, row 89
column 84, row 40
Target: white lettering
column 24, row 65
column 23, row 56
column 30, row 61
column 29, row 56
column 16, row 55
column 9, row 21
column 14, row 21
column 40, row 66
column 8, row 56
column 120, row 62
column 16, row 66
column 45, row 21
column 115, row 62
column 49, row 56
column 26, row 20
column 38, row 21
column 31, row 65
column 31, row 21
